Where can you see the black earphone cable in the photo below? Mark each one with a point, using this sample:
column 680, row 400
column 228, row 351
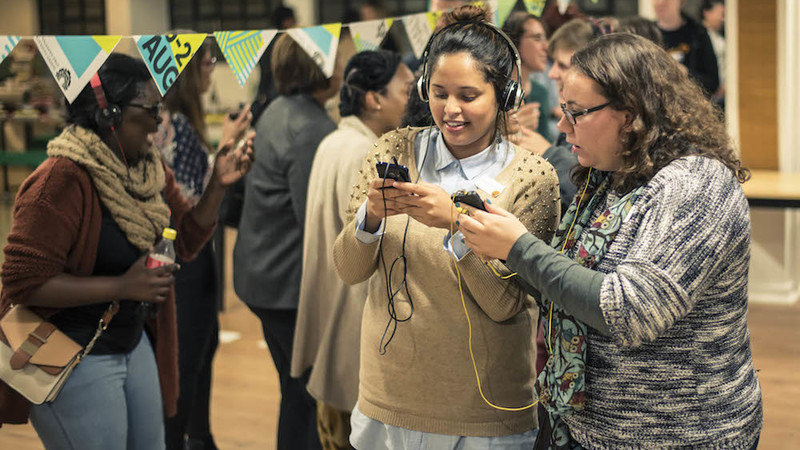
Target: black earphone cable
column 391, row 293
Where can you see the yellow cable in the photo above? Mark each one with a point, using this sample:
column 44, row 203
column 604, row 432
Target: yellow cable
column 469, row 325
column 566, row 238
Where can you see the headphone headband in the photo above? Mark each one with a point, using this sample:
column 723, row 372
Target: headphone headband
column 97, row 86
column 107, row 115
column 512, row 95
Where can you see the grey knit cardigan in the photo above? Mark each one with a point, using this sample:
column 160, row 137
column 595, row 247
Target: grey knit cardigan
column 676, row 371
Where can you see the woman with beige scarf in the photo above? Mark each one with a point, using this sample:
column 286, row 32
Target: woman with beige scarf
column 84, row 223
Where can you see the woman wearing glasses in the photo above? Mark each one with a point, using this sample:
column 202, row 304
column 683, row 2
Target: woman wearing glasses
column 83, row 225
column 527, row 33
column 183, row 141
column 644, row 287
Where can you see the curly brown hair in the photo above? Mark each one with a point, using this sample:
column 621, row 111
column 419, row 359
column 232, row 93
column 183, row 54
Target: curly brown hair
column 671, row 116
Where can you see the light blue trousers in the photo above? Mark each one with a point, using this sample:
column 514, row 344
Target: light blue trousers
column 110, row 402
column 368, row 433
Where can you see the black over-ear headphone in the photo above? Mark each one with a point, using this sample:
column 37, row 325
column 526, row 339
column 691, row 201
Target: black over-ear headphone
column 513, row 94
column 107, row 115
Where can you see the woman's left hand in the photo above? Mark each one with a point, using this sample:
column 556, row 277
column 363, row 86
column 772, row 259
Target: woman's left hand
column 233, row 161
column 430, row 205
column 491, row 234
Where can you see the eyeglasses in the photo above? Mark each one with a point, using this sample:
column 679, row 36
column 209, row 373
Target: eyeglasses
column 154, row 110
column 572, row 116
column 209, row 64
column 536, row 37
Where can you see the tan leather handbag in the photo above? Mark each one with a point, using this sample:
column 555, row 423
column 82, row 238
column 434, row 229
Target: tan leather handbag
column 35, row 357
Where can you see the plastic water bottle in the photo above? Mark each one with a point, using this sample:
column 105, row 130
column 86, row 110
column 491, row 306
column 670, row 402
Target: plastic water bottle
column 164, row 252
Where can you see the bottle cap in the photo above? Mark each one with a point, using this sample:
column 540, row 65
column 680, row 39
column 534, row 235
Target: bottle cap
column 169, row 233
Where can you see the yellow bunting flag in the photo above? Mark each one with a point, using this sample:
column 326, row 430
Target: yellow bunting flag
column 166, row 55
column 243, row 49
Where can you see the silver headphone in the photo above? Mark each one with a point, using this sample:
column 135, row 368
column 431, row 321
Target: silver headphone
column 512, row 95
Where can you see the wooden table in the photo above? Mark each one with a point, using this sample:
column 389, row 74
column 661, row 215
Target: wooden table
column 773, row 189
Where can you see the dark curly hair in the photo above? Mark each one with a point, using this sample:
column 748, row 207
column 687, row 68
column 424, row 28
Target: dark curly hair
column 671, row 117
column 366, row 71
column 123, row 79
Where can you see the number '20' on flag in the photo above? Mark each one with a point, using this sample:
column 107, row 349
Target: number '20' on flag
column 166, row 55
column 320, row 43
column 7, row 43
column 243, row 49
column 74, row 59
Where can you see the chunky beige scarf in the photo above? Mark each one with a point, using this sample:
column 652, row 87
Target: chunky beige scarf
column 135, row 202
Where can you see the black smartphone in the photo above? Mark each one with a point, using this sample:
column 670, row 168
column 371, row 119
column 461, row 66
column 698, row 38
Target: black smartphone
column 235, row 114
column 470, row 198
column 393, row 171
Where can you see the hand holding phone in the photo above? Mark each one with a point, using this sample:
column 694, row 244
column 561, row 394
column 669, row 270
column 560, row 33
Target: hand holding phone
column 470, row 198
column 392, row 171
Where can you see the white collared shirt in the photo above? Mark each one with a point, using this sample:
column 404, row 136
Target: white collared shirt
column 440, row 167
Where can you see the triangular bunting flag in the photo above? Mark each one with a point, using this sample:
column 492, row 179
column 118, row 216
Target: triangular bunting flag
column 74, row 59
column 491, row 6
column 369, row 35
column 419, row 28
column 166, row 55
column 321, row 43
column 536, row 7
column 243, row 49
column 503, row 10
column 7, row 43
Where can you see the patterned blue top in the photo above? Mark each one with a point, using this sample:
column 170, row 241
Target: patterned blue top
column 187, row 156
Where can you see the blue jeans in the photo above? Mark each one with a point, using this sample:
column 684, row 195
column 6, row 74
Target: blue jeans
column 109, row 402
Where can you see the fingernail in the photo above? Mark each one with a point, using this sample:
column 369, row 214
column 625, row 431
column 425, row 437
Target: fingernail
column 458, row 224
column 457, row 204
column 488, row 201
column 462, row 241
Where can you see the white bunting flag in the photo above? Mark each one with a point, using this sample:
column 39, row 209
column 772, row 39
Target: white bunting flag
column 419, row 28
column 321, row 43
column 370, row 34
column 74, row 59
column 7, row 43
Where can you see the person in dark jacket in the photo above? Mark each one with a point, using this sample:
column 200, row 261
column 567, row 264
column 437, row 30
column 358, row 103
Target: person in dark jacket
column 267, row 257
column 688, row 42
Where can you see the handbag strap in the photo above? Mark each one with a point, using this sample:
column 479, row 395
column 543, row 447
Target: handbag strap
column 102, row 324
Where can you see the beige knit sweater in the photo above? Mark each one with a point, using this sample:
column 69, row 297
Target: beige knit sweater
column 425, row 380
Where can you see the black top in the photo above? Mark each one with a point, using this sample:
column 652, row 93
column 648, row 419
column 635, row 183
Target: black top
column 691, row 46
column 115, row 254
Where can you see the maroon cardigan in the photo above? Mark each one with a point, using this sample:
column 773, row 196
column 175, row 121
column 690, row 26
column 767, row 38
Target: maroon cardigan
column 55, row 230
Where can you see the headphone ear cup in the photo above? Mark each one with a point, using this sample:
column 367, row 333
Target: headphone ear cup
column 512, row 96
column 422, row 88
column 108, row 117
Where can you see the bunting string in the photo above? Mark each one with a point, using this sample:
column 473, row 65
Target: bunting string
column 73, row 60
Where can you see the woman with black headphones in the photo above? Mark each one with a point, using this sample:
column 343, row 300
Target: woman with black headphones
column 446, row 340
column 84, row 224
